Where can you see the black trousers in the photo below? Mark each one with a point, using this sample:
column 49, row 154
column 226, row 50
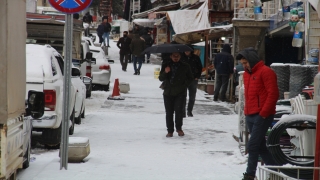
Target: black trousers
column 192, row 88
column 124, row 61
column 174, row 105
column 221, row 84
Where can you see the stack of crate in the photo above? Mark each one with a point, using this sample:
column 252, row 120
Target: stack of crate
column 243, row 9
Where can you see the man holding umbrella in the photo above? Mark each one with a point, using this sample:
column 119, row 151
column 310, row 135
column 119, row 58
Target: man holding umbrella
column 177, row 76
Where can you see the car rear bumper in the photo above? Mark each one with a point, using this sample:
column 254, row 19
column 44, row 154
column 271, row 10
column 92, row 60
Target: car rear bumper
column 45, row 122
column 101, row 77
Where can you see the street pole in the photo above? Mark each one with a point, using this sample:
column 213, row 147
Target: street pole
column 66, row 92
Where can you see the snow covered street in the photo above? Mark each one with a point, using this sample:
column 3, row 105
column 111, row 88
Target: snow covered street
column 127, row 138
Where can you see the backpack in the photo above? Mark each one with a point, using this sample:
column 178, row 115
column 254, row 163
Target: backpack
column 100, row 30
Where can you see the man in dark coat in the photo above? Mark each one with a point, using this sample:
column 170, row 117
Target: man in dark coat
column 137, row 46
column 87, row 18
column 149, row 41
column 261, row 95
column 223, row 63
column 177, row 76
column 196, row 69
column 124, row 46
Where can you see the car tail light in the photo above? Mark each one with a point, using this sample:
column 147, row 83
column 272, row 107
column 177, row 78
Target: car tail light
column 104, row 67
column 50, row 99
column 88, row 71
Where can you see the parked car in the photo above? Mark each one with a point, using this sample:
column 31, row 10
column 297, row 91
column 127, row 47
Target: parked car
column 45, row 64
column 101, row 71
column 80, row 103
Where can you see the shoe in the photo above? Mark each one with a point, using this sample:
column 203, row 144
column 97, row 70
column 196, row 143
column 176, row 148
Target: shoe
column 108, row 46
column 247, row 177
column 124, row 70
column 138, row 72
column 180, row 133
column 135, row 73
column 148, row 61
column 190, row 114
column 215, row 99
column 169, row 135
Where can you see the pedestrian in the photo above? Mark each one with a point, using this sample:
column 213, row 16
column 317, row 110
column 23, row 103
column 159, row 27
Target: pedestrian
column 177, row 76
column 130, row 35
column 124, row 46
column 261, row 95
column 137, row 46
column 149, row 41
column 196, row 68
column 106, row 30
column 223, row 63
column 238, row 68
column 87, row 18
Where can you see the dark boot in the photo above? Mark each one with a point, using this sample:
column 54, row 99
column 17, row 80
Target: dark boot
column 247, row 177
column 180, row 133
column 190, row 114
column 169, row 135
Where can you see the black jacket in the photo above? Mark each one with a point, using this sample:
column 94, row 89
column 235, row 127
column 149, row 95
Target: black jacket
column 137, row 46
column 147, row 38
column 223, row 62
column 181, row 80
column 124, row 45
column 194, row 63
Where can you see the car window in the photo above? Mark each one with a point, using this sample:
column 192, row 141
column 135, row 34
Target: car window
column 53, row 67
column 60, row 62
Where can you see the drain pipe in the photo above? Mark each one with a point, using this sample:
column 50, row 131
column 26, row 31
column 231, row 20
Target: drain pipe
column 307, row 29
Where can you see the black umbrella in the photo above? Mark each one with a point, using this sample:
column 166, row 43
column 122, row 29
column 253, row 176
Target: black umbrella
column 167, row 48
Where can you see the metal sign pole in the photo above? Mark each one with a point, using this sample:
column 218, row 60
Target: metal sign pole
column 66, row 92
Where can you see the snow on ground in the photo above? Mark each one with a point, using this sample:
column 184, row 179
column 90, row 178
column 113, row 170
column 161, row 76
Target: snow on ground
column 127, row 138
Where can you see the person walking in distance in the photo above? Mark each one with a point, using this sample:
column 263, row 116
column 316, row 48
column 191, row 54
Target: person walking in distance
column 149, row 41
column 124, row 46
column 223, row 63
column 196, row 69
column 106, row 30
column 137, row 46
column 177, row 76
column 261, row 95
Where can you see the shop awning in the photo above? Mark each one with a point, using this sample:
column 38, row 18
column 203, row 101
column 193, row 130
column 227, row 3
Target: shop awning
column 160, row 21
column 192, row 37
column 145, row 22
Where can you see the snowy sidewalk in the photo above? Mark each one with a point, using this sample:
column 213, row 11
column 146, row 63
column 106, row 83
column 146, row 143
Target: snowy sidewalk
column 127, row 138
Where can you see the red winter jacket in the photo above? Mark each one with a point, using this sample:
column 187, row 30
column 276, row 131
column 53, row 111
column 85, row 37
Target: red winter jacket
column 261, row 90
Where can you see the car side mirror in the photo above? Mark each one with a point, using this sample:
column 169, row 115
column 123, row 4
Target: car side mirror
column 35, row 104
column 89, row 55
column 93, row 61
column 75, row 72
column 110, row 61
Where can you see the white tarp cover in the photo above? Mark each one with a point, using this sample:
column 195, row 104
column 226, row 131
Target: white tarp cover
column 145, row 22
column 190, row 20
column 316, row 5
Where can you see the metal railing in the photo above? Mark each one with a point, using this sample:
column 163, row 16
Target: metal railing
column 265, row 172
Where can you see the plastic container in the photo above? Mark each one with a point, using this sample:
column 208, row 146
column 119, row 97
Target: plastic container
column 286, row 9
column 297, row 39
column 257, row 10
column 313, row 57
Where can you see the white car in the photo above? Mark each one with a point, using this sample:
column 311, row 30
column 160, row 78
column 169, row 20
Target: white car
column 101, row 70
column 80, row 104
column 45, row 64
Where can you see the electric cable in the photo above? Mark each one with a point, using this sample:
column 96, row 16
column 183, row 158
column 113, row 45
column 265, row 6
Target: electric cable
column 273, row 144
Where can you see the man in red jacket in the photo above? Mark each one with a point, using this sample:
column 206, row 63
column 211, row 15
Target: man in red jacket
column 261, row 96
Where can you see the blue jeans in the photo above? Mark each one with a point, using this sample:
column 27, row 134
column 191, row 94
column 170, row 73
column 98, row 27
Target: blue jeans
column 258, row 127
column 136, row 60
column 192, row 96
column 106, row 36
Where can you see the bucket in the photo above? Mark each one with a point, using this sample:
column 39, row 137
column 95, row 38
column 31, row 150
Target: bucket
column 210, row 87
column 286, row 95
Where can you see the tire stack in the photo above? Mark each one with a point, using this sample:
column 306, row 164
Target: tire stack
column 283, row 75
column 299, row 78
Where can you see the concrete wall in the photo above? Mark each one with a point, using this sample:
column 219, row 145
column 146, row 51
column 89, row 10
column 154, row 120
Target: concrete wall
column 31, row 6
column 12, row 58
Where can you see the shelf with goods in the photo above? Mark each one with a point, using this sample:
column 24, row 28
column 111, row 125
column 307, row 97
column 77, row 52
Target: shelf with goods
column 243, row 9
column 217, row 44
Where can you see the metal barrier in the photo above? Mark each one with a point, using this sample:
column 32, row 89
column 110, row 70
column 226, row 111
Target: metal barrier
column 265, row 172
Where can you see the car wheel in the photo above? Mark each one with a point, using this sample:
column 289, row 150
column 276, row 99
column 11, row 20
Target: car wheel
column 105, row 87
column 83, row 113
column 71, row 129
column 88, row 95
column 77, row 120
column 26, row 163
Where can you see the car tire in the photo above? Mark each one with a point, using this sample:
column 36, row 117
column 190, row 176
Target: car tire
column 26, row 163
column 71, row 129
column 106, row 87
column 88, row 95
column 77, row 120
column 83, row 113
column 51, row 137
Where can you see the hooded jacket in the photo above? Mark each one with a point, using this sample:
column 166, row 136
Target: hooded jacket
column 223, row 62
column 260, row 84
